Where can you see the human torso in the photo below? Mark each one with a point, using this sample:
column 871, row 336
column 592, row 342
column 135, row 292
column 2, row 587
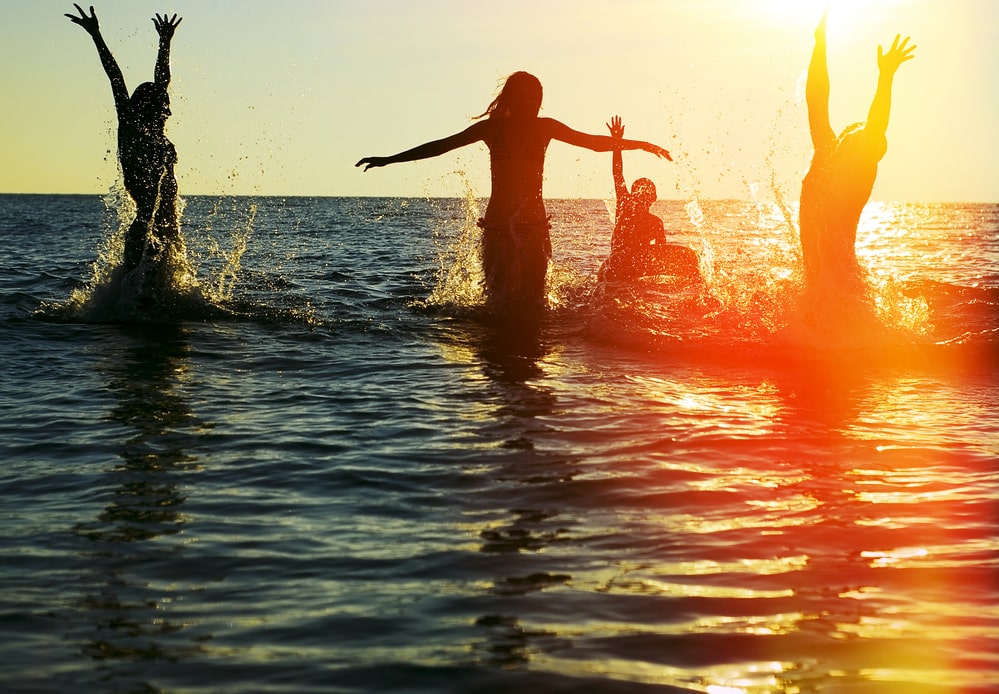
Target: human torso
column 841, row 176
column 517, row 159
column 146, row 157
column 636, row 229
column 833, row 195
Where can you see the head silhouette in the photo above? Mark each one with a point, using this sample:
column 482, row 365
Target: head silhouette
column 856, row 141
column 150, row 103
column 520, row 96
column 644, row 191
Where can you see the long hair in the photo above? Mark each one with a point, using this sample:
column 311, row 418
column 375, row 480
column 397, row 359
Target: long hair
column 521, row 94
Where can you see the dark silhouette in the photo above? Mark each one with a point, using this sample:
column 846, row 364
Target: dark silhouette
column 147, row 157
column 638, row 246
column 516, row 246
column 842, row 173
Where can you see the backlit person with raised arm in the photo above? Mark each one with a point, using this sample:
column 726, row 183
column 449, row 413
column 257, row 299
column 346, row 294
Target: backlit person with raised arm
column 146, row 156
column 842, row 173
column 638, row 245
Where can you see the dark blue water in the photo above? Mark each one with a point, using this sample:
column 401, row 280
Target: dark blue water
column 330, row 476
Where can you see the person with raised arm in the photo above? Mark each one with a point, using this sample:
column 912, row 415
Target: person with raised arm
column 638, row 244
column 516, row 246
column 842, row 172
column 146, row 156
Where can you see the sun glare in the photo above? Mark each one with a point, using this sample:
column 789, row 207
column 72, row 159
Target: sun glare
column 791, row 11
column 808, row 12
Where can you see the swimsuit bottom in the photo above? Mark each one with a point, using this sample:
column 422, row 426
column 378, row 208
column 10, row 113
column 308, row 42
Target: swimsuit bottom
column 515, row 264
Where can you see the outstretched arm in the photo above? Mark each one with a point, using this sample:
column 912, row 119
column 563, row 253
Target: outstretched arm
column 817, row 90
column 165, row 28
column 600, row 143
column 92, row 27
column 888, row 63
column 617, row 161
column 435, row 148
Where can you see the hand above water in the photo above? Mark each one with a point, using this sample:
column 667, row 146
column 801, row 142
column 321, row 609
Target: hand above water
column 615, row 127
column 889, row 62
column 89, row 23
column 166, row 26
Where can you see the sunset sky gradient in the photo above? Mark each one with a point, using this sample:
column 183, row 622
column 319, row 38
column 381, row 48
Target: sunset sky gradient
column 283, row 98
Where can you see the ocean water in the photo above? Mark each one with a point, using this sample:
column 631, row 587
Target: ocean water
column 318, row 469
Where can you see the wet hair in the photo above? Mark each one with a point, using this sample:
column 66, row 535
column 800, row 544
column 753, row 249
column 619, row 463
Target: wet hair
column 150, row 101
column 645, row 190
column 521, row 93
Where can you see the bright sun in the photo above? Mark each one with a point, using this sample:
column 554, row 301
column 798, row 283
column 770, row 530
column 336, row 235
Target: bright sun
column 792, row 11
column 808, row 12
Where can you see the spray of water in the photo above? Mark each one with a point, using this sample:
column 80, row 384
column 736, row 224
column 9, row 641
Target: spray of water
column 458, row 282
column 220, row 285
column 166, row 284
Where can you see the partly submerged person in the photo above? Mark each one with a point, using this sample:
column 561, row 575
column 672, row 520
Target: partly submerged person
column 516, row 246
column 842, row 173
column 638, row 245
column 146, row 156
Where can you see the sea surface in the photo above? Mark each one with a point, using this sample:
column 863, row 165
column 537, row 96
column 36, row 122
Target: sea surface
column 317, row 467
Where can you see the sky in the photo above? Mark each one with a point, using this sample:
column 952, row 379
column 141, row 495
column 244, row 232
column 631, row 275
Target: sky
column 282, row 98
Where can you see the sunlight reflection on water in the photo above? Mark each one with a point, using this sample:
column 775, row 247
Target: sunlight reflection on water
column 394, row 497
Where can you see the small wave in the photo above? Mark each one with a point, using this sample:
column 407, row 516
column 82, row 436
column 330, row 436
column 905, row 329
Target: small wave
column 917, row 323
column 174, row 284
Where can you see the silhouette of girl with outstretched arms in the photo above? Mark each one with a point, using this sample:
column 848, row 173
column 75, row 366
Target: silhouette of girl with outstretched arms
column 842, row 172
column 146, row 156
column 516, row 246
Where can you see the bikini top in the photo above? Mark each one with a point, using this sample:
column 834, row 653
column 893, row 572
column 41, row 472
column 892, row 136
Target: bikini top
column 501, row 148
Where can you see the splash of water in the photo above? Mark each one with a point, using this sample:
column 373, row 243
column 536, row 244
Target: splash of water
column 749, row 297
column 220, row 286
column 883, row 305
column 458, row 281
column 165, row 286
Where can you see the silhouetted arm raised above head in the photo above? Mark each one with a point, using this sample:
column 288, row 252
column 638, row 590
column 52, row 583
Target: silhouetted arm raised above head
column 165, row 28
column 617, row 161
column 817, row 90
column 92, row 26
column 599, row 143
column 888, row 63
column 435, row 148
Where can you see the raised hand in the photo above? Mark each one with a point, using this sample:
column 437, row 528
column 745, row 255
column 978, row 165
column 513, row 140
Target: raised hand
column 820, row 30
column 898, row 53
column 658, row 151
column 89, row 23
column 372, row 162
column 165, row 26
column 615, row 127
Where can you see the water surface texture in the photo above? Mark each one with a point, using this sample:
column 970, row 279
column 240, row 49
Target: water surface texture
column 331, row 476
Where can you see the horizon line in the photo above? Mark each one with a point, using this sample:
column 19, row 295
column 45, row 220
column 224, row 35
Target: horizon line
column 484, row 197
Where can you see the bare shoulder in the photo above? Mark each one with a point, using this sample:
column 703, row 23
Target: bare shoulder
column 551, row 125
